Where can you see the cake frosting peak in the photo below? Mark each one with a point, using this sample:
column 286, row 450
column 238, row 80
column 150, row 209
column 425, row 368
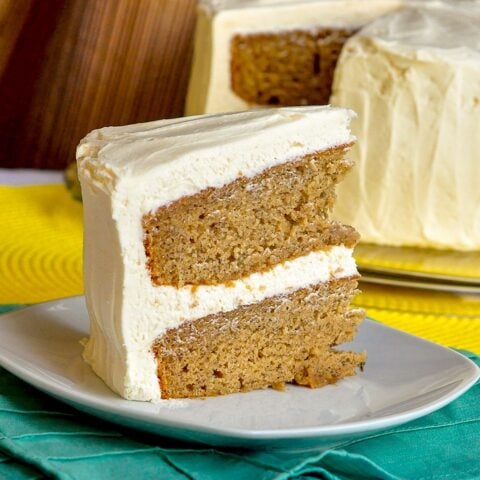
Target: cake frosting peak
column 449, row 31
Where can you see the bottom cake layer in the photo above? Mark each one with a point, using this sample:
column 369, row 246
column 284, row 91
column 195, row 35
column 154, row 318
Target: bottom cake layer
column 286, row 338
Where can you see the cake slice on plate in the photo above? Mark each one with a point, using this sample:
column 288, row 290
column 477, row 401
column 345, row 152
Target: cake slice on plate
column 211, row 263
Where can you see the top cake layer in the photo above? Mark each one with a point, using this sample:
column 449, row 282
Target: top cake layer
column 176, row 158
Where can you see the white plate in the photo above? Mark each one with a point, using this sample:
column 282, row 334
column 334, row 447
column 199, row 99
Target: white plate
column 405, row 378
column 418, row 282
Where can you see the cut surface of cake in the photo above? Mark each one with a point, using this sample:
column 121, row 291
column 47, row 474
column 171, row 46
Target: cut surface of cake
column 211, row 263
column 271, row 52
column 413, row 77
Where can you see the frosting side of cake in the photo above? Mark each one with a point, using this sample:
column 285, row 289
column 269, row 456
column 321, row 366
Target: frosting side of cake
column 127, row 171
column 413, row 77
column 218, row 22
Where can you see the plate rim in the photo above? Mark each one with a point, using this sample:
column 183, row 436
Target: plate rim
column 75, row 396
column 448, row 278
column 419, row 283
column 441, row 279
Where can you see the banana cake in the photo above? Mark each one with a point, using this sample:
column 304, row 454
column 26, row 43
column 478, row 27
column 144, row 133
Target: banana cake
column 212, row 265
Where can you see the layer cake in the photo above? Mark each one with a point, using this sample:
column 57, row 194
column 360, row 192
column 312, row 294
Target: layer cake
column 211, row 263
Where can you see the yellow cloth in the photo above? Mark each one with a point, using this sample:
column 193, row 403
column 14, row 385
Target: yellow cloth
column 445, row 318
column 40, row 244
column 41, row 250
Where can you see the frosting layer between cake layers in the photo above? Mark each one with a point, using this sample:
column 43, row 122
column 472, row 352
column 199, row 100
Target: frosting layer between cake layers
column 219, row 21
column 413, row 77
column 128, row 171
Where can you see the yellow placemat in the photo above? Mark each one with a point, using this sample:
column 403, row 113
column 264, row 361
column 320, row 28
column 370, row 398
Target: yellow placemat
column 40, row 244
column 446, row 318
column 41, row 250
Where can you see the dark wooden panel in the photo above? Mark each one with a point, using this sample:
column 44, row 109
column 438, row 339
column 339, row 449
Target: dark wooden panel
column 75, row 65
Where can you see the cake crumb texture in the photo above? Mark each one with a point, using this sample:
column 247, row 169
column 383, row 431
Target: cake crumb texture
column 283, row 339
column 249, row 225
column 287, row 68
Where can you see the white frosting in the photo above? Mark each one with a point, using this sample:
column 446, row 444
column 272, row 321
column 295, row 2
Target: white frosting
column 127, row 171
column 413, row 77
column 217, row 6
column 175, row 158
column 434, row 29
column 218, row 21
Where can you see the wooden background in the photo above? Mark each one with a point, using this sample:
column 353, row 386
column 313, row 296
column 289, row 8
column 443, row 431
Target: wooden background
column 69, row 66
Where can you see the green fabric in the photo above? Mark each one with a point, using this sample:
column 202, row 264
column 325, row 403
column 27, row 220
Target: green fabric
column 8, row 308
column 41, row 438
column 10, row 469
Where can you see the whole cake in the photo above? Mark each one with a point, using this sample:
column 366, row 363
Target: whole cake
column 271, row 52
column 211, row 263
column 413, row 77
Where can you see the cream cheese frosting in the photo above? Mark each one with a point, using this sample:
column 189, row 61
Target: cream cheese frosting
column 187, row 155
column 413, row 77
column 128, row 171
column 209, row 89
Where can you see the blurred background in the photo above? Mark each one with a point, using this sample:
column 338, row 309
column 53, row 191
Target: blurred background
column 69, row 66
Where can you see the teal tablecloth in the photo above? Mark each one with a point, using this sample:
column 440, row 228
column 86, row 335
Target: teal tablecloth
column 42, row 438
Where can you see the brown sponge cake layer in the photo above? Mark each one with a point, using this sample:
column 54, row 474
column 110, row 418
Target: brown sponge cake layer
column 249, row 225
column 287, row 68
column 286, row 338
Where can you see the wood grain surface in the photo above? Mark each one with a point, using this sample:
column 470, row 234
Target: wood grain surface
column 69, row 66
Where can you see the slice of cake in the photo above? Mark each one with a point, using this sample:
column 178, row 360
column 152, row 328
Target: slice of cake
column 211, row 262
column 413, row 77
column 271, row 52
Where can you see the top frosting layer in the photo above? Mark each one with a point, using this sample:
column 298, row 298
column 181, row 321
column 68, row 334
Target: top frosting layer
column 443, row 29
column 219, row 5
column 216, row 6
column 174, row 158
column 267, row 15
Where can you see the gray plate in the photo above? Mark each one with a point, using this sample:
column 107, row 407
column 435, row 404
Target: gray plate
column 424, row 264
column 417, row 282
